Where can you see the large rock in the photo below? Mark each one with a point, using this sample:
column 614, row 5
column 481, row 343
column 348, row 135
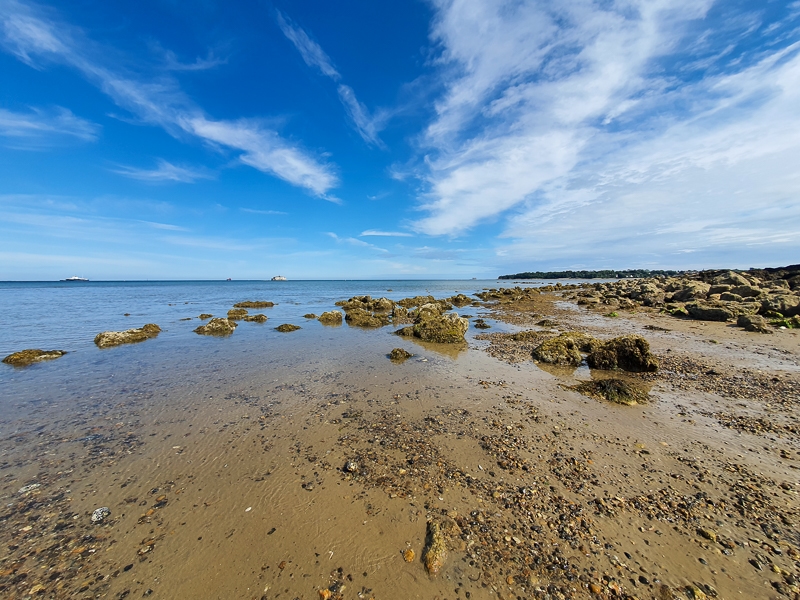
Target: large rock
column 331, row 317
column 565, row 349
column 254, row 304
column 237, row 314
column 359, row 317
column 705, row 311
column 690, row 291
column 628, row 352
column 448, row 328
column 416, row 301
column 755, row 323
column 460, row 300
column 259, row 318
column 23, row 358
column 366, row 303
column 106, row 339
column 730, row 278
column 746, row 291
column 287, row 328
column 217, row 326
column 440, row 533
column 786, row 304
column 613, row 390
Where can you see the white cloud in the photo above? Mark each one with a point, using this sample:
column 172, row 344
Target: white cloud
column 591, row 128
column 256, row 211
column 355, row 242
column 311, row 51
column 39, row 128
column 165, row 171
column 314, row 56
column 376, row 232
column 29, row 34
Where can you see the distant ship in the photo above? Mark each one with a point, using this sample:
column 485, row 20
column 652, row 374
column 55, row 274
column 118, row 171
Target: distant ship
column 75, row 278
column 279, row 278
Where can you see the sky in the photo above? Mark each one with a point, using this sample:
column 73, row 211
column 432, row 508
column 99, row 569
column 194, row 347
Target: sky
column 161, row 139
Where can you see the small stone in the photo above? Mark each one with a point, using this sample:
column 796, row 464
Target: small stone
column 351, row 466
column 595, row 588
column 399, row 354
column 408, row 555
column 708, row 534
column 99, row 514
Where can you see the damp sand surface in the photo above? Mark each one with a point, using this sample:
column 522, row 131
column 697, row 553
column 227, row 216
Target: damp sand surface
column 305, row 465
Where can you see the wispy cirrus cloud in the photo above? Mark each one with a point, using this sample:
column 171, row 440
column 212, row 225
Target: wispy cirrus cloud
column 377, row 232
column 36, row 37
column 368, row 126
column 165, row 171
column 583, row 122
column 356, row 242
column 257, row 211
column 39, row 128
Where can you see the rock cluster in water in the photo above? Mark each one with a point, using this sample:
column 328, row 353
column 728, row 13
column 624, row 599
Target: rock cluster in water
column 217, row 326
column 108, row 339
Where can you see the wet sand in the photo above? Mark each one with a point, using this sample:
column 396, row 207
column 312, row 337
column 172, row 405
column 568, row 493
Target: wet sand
column 306, row 471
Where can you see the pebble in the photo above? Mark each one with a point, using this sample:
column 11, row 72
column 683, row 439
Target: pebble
column 99, row 514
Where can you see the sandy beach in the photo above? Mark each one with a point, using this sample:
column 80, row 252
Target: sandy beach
column 327, row 473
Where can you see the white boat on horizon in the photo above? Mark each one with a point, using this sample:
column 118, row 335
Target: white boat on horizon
column 75, row 278
column 279, row 278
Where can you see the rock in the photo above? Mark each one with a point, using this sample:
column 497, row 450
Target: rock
column 331, row 317
column 707, row 533
column 481, row 324
column 399, row 354
column 408, row 555
column 730, row 278
column 205, row 316
column 719, row 289
column 628, row 352
column 416, row 301
column 287, row 327
column 560, row 350
column 729, row 297
column 309, row 316
column 746, row 291
column 107, row 339
column 448, row 328
column 460, row 300
column 595, row 588
column 695, row 593
column 755, row 323
column 690, row 291
column 703, row 311
column 617, row 391
column 351, row 466
column 439, row 531
column 360, row 317
column 217, row 326
column 786, row 304
column 235, row 314
column 254, row 304
column 367, row 303
column 99, row 514
column 400, row 314
column 23, row 358
column 259, row 318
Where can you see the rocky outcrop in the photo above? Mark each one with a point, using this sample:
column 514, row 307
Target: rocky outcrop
column 359, row 317
column 287, row 327
column 107, row 339
column 237, row 314
column 23, row 358
column 431, row 325
column 331, row 317
column 416, row 301
column 217, row 327
column 258, row 318
column 460, row 300
column 254, row 304
column 366, row 303
column 628, row 352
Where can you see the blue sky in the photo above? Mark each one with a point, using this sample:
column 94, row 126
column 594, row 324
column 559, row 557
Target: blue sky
column 464, row 138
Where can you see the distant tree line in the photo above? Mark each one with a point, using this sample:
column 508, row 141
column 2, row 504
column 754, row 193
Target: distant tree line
column 603, row 274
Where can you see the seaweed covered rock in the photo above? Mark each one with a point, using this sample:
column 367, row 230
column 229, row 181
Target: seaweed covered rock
column 258, row 318
column 560, row 350
column 754, row 323
column 399, row 354
column 416, row 301
column 254, row 304
column 309, row 316
column 366, row 303
column 707, row 311
column 359, row 317
column 481, row 324
column 287, row 327
column 331, row 317
column 440, row 532
column 107, row 339
column 448, row 328
column 205, row 316
column 627, row 352
column 460, row 300
column 217, row 326
column 786, row 304
column 617, row 391
column 400, row 315
column 23, row 358
column 237, row 314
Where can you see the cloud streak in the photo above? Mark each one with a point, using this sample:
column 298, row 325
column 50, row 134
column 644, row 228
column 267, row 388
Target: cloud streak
column 165, row 171
column 37, row 39
column 368, row 126
column 39, row 128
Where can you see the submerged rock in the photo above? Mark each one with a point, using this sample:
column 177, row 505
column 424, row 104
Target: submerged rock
column 287, row 327
column 236, row 314
column 399, row 354
column 205, row 316
column 755, row 323
column 217, row 327
column 107, row 339
column 440, row 530
column 23, row 358
column 460, row 300
column 331, row 317
column 627, row 352
column 613, row 390
column 309, row 316
column 259, row 318
column 481, row 324
column 254, row 304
